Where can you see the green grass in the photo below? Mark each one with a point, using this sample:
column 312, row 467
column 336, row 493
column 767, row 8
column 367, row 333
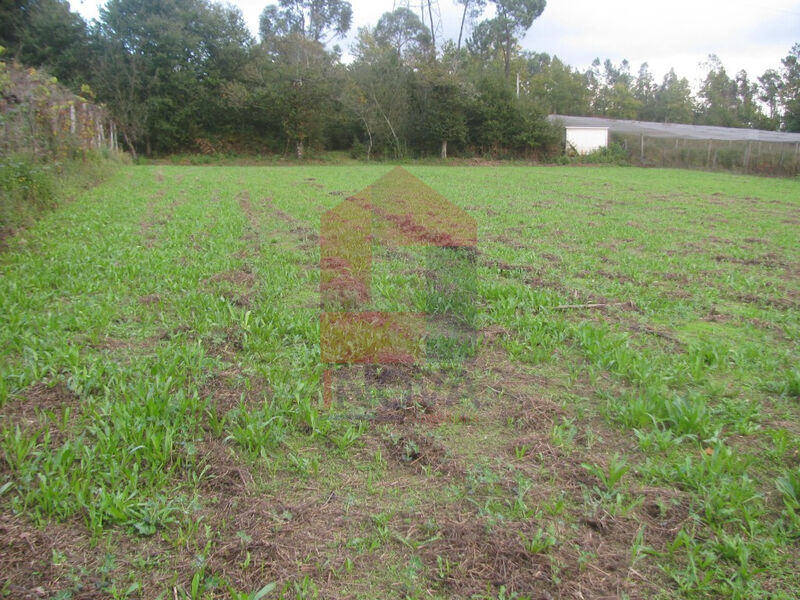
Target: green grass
column 162, row 426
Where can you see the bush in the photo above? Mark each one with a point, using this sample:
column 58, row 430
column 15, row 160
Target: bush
column 24, row 181
column 730, row 158
column 26, row 189
column 358, row 150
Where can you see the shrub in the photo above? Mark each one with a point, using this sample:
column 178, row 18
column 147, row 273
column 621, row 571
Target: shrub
column 26, row 188
column 23, row 180
column 613, row 154
column 358, row 150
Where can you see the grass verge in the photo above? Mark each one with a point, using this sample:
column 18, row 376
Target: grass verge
column 29, row 187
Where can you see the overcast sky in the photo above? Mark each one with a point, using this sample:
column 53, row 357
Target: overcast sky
column 746, row 34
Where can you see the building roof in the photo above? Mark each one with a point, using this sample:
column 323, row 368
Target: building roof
column 678, row 130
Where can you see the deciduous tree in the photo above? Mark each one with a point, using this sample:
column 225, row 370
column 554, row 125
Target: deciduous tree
column 770, row 85
column 316, row 20
column 790, row 89
column 501, row 33
column 674, row 103
column 46, row 33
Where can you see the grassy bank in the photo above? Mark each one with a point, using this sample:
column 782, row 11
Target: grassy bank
column 29, row 187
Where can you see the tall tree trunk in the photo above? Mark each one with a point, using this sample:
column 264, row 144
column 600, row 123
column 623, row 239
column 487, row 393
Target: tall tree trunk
column 444, row 149
column 461, row 29
column 299, row 149
column 369, row 134
column 433, row 31
column 507, row 57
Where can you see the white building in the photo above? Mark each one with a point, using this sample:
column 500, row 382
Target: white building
column 583, row 140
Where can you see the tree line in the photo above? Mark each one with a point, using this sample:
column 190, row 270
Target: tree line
column 182, row 75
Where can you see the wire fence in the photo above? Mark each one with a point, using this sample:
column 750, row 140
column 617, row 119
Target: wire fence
column 745, row 156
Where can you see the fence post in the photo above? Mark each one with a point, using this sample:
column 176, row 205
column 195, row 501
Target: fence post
column 708, row 155
column 641, row 151
column 687, row 147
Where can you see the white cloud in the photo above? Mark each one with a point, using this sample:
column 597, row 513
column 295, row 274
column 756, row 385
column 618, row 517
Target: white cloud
column 681, row 33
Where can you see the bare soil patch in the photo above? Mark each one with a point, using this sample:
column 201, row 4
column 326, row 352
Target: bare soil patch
column 146, row 225
column 788, row 302
column 150, row 299
column 27, row 552
column 43, row 406
column 229, row 389
column 237, row 285
column 309, row 239
column 264, row 538
column 250, row 235
column 768, row 260
column 480, row 556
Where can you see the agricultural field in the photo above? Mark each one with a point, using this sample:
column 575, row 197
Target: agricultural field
column 624, row 424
